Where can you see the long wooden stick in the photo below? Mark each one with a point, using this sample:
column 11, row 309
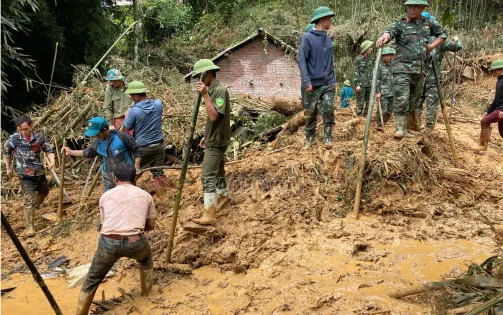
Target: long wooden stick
column 31, row 265
column 61, row 185
column 444, row 113
column 380, row 113
column 90, row 189
column 57, row 181
column 181, row 181
column 87, row 181
column 52, row 72
column 108, row 51
column 453, row 101
column 366, row 137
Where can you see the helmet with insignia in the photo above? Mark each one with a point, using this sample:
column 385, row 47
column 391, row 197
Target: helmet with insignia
column 136, row 87
column 416, row 2
column 388, row 51
column 204, row 65
column 365, row 45
column 497, row 64
column 114, row 74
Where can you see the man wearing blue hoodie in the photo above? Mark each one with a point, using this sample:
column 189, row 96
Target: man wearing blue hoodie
column 145, row 117
column 316, row 63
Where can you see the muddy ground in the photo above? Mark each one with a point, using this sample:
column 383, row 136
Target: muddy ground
column 288, row 243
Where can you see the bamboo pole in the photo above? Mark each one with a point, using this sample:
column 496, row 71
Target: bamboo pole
column 52, row 73
column 108, row 51
column 36, row 275
column 181, row 181
column 61, row 185
column 57, row 181
column 366, row 137
column 453, row 101
column 484, row 307
column 380, row 113
column 90, row 189
column 87, row 181
column 444, row 113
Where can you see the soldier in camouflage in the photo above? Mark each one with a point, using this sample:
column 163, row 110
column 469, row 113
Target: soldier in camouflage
column 411, row 35
column 363, row 78
column 385, row 92
column 430, row 91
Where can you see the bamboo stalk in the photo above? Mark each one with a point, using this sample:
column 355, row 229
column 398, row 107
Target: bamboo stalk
column 57, row 150
column 90, row 190
column 484, row 307
column 61, row 186
column 78, row 119
column 453, row 101
column 181, row 180
column 52, row 72
column 366, row 137
column 446, row 118
column 108, row 51
column 87, row 181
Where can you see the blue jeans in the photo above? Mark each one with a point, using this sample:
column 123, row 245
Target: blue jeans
column 109, row 251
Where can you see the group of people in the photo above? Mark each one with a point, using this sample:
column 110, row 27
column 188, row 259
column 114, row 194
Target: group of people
column 128, row 138
column 405, row 77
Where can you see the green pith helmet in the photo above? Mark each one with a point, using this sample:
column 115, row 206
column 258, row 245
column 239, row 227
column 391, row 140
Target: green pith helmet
column 388, row 51
column 309, row 27
column 321, row 12
column 365, row 45
column 136, row 87
column 416, row 2
column 204, row 65
column 347, row 83
column 497, row 64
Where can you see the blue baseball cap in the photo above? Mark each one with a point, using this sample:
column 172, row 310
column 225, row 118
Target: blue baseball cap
column 428, row 16
column 95, row 125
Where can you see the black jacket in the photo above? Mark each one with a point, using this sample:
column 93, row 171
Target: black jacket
column 497, row 104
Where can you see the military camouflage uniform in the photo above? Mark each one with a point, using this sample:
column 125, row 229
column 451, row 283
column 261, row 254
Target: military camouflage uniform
column 30, row 168
column 323, row 95
column 430, row 91
column 363, row 79
column 410, row 64
column 217, row 137
column 385, row 87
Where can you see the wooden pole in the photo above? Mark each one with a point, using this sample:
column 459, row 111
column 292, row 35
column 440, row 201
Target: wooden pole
column 52, row 72
column 181, row 180
column 366, row 137
column 90, row 189
column 453, row 101
column 380, row 113
column 57, row 181
column 31, row 265
column 444, row 113
column 61, row 185
column 108, row 51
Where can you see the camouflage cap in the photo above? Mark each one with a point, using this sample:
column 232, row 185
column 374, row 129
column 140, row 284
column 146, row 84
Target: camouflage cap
column 388, row 51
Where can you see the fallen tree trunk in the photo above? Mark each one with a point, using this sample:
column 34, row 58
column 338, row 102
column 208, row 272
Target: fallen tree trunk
column 286, row 106
column 295, row 122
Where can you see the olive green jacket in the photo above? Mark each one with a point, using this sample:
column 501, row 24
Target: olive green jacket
column 116, row 104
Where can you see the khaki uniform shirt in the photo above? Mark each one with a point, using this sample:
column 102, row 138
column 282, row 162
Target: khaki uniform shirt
column 116, row 104
column 218, row 133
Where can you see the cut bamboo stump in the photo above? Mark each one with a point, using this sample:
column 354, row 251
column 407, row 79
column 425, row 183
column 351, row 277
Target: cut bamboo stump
column 456, row 174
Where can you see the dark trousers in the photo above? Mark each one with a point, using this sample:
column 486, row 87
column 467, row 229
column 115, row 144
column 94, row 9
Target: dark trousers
column 153, row 156
column 363, row 101
column 213, row 172
column 493, row 118
column 109, row 251
column 35, row 189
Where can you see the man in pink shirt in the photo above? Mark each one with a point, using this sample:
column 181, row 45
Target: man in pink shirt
column 126, row 213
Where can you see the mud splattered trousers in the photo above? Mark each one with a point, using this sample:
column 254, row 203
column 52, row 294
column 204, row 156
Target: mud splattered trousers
column 325, row 94
column 152, row 156
column 109, row 251
column 491, row 119
column 35, row 189
column 213, row 171
column 430, row 95
column 407, row 88
column 387, row 109
column 363, row 100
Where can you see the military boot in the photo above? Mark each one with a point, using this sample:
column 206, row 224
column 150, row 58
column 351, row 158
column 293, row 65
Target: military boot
column 386, row 117
column 85, row 300
column 412, row 122
column 327, row 136
column 30, row 227
column 399, row 126
column 146, row 279
column 485, row 137
column 210, row 209
column 222, row 198
column 309, row 139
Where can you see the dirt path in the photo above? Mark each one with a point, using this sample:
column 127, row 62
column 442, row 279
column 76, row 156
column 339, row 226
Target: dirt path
column 287, row 243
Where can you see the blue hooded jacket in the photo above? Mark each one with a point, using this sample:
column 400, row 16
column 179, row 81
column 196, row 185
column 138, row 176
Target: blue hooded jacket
column 316, row 59
column 145, row 118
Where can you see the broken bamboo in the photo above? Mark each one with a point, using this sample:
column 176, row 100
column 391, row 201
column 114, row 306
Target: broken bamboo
column 90, row 190
column 52, row 73
column 61, row 185
column 366, row 136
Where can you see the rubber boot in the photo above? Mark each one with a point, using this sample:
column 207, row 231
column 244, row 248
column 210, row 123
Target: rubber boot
column 385, row 117
column 485, row 137
column 222, row 198
column 309, row 139
column 412, row 121
column 160, row 184
column 399, row 126
column 210, row 209
column 327, row 136
column 85, row 300
column 146, row 279
column 30, row 227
